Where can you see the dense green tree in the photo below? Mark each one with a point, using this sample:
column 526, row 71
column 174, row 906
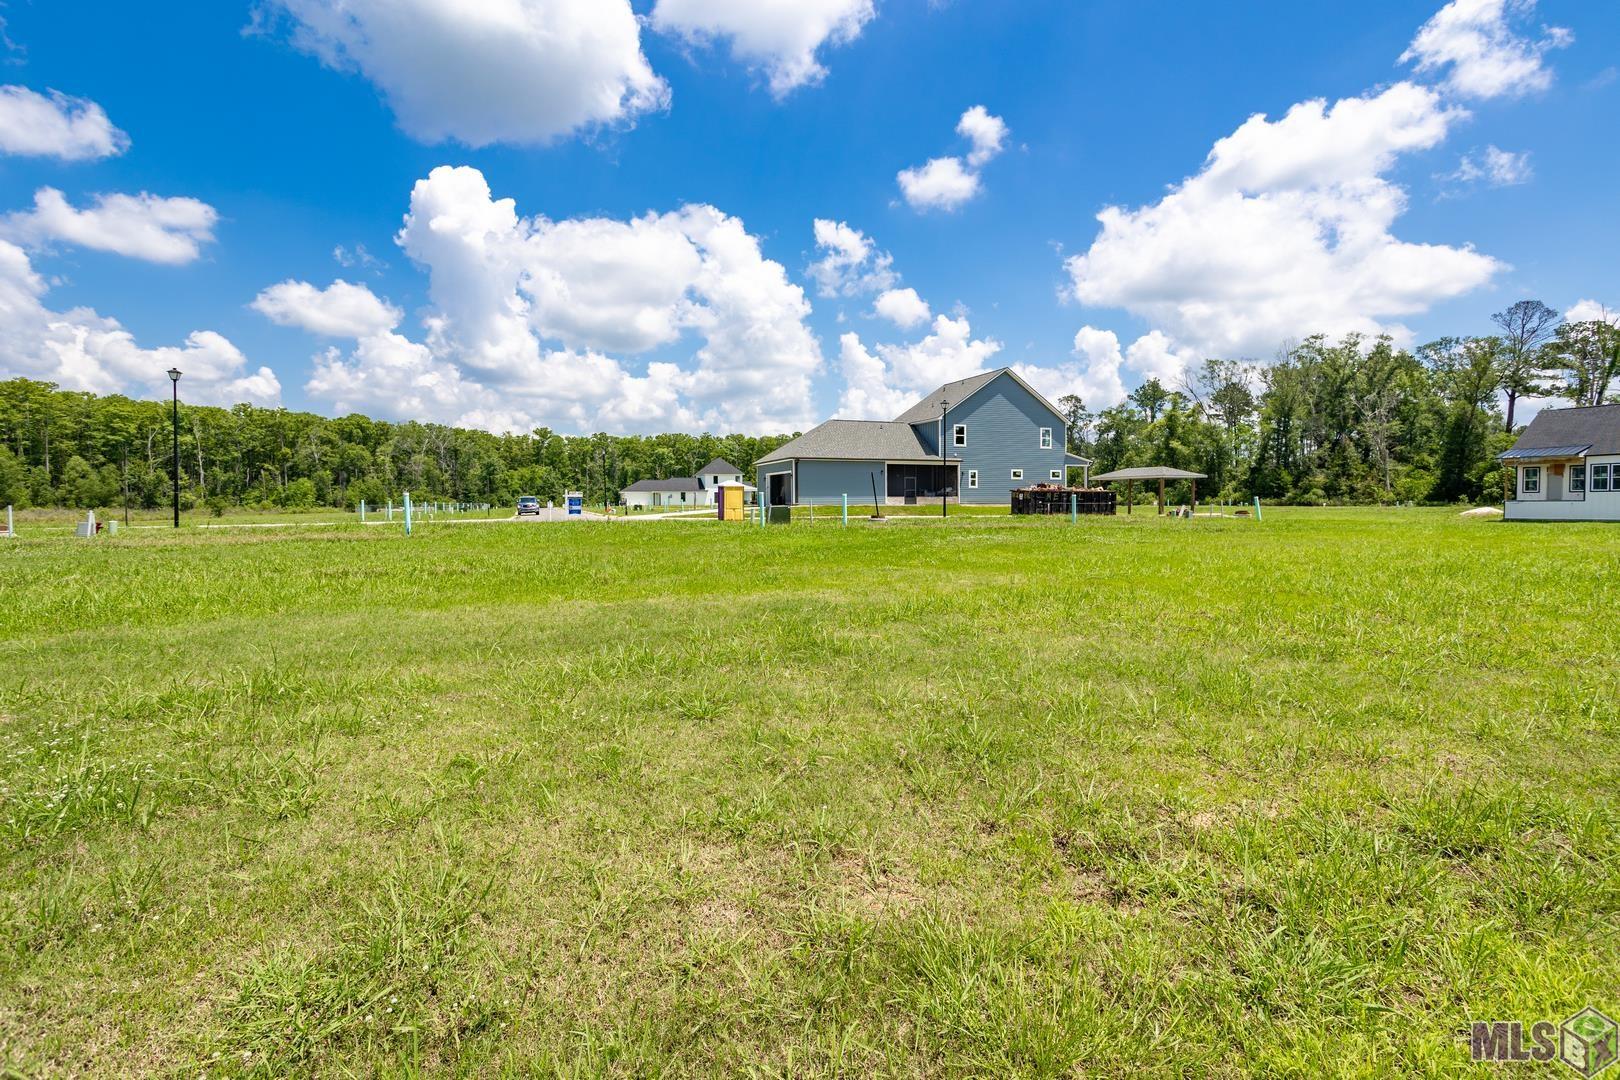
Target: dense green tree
column 65, row 448
column 1583, row 360
column 1525, row 328
column 1076, row 423
column 1151, row 397
column 1467, row 372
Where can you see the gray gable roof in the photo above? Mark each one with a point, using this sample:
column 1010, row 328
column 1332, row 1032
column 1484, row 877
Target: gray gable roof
column 719, row 465
column 1597, row 426
column 1149, row 472
column 956, row 392
column 674, row 483
column 875, row 440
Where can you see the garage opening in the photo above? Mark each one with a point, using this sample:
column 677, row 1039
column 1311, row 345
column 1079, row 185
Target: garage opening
column 781, row 489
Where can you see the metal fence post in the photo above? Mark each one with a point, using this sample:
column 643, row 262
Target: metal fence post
column 407, row 513
column 846, row 509
column 362, row 511
column 1257, row 516
column 11, row 525
column 1074, row 508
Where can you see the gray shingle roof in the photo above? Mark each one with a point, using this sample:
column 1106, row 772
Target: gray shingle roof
column 1597, row 426
column 673, row 483
column 1149, row 472
column 719, row 465
column 876, row 440
column 930, row 407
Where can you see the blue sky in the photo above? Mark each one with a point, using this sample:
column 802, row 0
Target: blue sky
column 200, row 188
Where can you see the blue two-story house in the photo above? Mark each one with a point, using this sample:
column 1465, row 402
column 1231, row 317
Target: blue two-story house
column 997, row 434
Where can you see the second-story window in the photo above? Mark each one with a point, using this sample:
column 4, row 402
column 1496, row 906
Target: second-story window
column 1046, row 438
column 959, row 435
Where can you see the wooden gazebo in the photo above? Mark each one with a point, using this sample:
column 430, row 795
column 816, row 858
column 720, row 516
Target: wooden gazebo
column 1150, row 472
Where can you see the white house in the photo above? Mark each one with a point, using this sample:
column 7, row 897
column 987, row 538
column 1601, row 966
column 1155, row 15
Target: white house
column 678, row 492
column 1567, row 466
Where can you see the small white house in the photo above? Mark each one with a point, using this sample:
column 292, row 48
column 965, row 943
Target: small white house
column 676, row 493
column 683, row 492
column 1566, row 466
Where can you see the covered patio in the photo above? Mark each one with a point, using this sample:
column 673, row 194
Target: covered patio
column 1548, row 478
column 1147, row 473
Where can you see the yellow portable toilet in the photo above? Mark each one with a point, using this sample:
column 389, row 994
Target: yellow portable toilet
column 730, row 502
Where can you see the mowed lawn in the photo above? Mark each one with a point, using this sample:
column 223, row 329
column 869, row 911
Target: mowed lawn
column 1010, row 797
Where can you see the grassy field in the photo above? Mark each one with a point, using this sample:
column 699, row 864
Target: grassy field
column 999, row 797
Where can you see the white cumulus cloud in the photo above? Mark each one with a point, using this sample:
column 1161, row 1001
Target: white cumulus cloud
column 82, row 350
column 58, row 126
column 1486, row 56
column 778, row 37
column 1591, row 311
column 340, row 310
column 150, row 227
column 868, row 394
column 987, row 134
column 1285, row 232
column 664, row 321
column 903, row 373
column 1098, row 374
column 513, row 71
column 945, row 183
column 942, row 184
column 850, row 263
column 903, row 307
column 1095, row 376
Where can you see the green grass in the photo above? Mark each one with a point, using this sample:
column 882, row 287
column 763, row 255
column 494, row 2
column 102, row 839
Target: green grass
column 48, row 521
column 998, row 797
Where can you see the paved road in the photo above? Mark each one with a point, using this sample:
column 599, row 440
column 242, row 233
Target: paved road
column 557, row 513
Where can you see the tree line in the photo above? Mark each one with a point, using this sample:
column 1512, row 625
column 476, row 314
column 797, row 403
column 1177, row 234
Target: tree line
column 1356, row 420
column 64, row 448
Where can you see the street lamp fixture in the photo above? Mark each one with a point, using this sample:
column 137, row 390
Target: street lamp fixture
column 174, row 380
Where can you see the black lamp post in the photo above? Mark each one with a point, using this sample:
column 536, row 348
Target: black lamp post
column 944, row 466
column 174, row 379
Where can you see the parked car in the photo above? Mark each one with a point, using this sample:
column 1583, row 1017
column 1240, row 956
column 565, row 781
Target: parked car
column 527, row 504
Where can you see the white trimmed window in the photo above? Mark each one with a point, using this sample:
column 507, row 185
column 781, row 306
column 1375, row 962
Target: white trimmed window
column 1532, row 479
column 1577, row 478
column 1046, row 438
column 1601, row 477
column 1055, row 474
column 959, row 435
column 973, row 478
column 1018, row 474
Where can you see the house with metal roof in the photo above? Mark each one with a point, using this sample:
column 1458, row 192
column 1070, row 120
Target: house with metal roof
column 971, row 441
column 679, row 492
column 1566, row 466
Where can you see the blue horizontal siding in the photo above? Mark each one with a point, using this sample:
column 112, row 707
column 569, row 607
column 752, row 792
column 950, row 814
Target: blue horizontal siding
column 1004, row 421
column 825, row 483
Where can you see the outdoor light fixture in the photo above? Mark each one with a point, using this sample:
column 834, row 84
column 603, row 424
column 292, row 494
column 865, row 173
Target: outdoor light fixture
column 174, row 380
